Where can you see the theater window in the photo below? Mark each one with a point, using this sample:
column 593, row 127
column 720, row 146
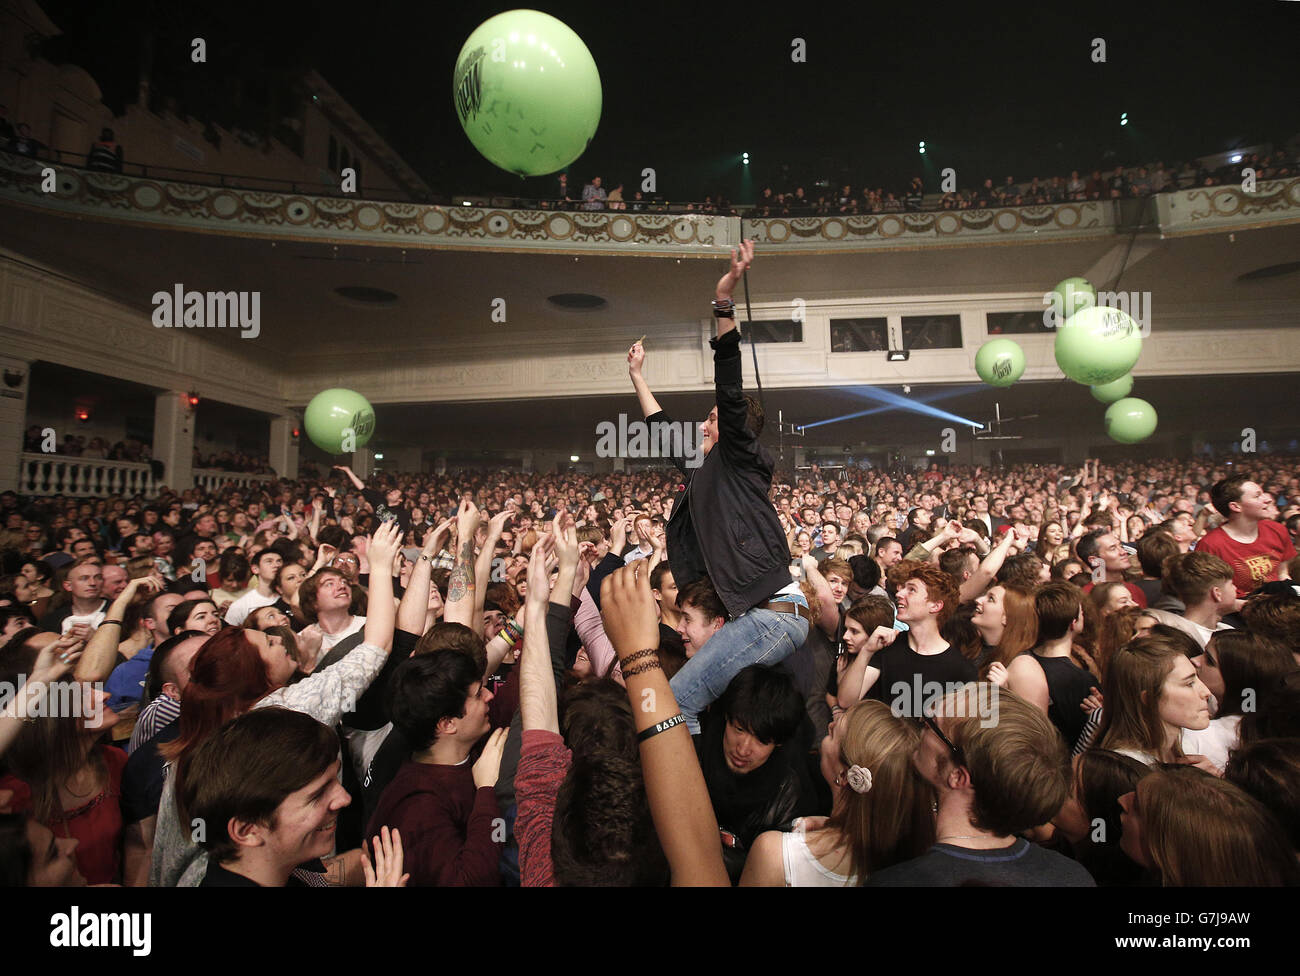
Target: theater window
column 773, row 331
column 931, row 331
column 1015, row 323
column 859, row 335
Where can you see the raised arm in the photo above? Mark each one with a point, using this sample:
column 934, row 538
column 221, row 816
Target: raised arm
column 675, row 788
column 381, row 612
column 859, row 676
column 537, row 701
column 829, row 617
column 100, row 656
column 727, row 283
column 987, row 571
column 460, row 585
column 356, row 482
column 635, row 359
column 483, row 564
column 415, row 601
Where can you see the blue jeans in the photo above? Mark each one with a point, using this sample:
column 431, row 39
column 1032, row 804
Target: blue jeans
column 756, row 637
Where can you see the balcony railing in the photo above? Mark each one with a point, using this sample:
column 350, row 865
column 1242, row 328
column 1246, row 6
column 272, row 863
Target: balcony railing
column 210, row 479
column 77, row 477
column 54, row 474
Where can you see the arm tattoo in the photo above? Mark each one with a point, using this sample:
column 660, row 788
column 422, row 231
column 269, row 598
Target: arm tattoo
column 336, row 871
column 461, row 580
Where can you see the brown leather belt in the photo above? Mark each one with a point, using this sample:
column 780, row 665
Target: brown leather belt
column 788, row 607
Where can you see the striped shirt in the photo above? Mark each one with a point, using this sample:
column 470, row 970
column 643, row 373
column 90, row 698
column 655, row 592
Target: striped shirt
column 155, row 717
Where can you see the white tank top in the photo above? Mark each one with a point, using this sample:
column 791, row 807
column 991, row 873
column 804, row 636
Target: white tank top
column 802, row 869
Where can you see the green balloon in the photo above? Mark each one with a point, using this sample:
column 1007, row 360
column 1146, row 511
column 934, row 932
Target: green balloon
column 1000, row 362
column 1073, row 295
column 527, row 92
column 1098, row 345
column 332, row 414
column 1114, row 390
column 1130, row 420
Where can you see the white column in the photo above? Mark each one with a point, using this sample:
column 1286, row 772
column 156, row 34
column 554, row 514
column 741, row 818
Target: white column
column 363, row 463
column 173, row 439
column 284, row 449
column 14, row 375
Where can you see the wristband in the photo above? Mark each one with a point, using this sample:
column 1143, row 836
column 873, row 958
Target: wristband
column 641, row 668
column 118, row 622
column 658, row 727
column 638, row 656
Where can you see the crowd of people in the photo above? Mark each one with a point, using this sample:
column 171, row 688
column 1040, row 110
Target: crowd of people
column 104, row 155
column 790, row 198
column 1029, row 675
column 136, row 450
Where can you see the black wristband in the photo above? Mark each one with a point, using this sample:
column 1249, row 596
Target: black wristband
column 658, row 727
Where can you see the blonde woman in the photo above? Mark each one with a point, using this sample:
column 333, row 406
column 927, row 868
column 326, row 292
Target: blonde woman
column 882, row 812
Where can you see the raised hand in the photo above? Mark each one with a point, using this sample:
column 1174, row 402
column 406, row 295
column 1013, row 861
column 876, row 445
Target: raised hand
column 387, row 869
column 539, row 576
column 384, row 545
column 628, row 610
column 564, row 534
column 740, row 262
column 488, row 767
column 880, row 637
column 635, row 358
column 56, row 658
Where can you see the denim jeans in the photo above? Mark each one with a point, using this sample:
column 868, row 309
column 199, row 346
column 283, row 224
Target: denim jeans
column 756, row 637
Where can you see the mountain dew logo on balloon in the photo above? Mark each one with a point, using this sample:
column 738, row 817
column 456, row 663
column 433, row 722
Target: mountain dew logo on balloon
column 363, row 424
column 469, row 84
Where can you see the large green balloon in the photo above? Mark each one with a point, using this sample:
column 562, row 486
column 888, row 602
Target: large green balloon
column 1098, row 345
column 527, row 92
column 1073, row 295
column 1115, row 390
column 332, row 413
column 1000, row 362
column 1130, row 420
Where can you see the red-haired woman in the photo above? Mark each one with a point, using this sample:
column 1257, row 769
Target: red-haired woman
column 242, row 669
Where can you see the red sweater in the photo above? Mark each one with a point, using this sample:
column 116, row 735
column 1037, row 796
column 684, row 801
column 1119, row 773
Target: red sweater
column 448, row 827
column 543, row 761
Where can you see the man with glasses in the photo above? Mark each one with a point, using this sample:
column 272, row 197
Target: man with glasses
column 999, row 769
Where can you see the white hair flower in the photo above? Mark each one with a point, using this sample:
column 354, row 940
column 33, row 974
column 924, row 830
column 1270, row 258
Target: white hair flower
column 859, row 778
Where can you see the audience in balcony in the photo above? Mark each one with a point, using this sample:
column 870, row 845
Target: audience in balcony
column 105, row 153
column 593, row 195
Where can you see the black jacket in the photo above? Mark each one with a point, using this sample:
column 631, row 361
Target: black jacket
column 723, row 525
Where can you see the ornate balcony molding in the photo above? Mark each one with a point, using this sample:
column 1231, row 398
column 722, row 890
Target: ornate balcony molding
column 259, row 213
column 1061, row 221
column 285, row 216
column 1214, row 209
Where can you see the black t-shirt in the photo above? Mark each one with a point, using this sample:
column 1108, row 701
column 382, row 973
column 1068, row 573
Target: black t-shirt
column 1019, row 866
column 376, row 500
column 908, row 680
column 142, row 779
column 1067, row 686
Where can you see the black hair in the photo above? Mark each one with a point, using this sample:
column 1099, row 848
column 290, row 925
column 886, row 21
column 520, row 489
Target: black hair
column 15, row 851
column 866, row 571
column 154, row 682
column 1227, row 491
column 1087, row 545
column 427, row 688
column 181, row 613
column 764, row 702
